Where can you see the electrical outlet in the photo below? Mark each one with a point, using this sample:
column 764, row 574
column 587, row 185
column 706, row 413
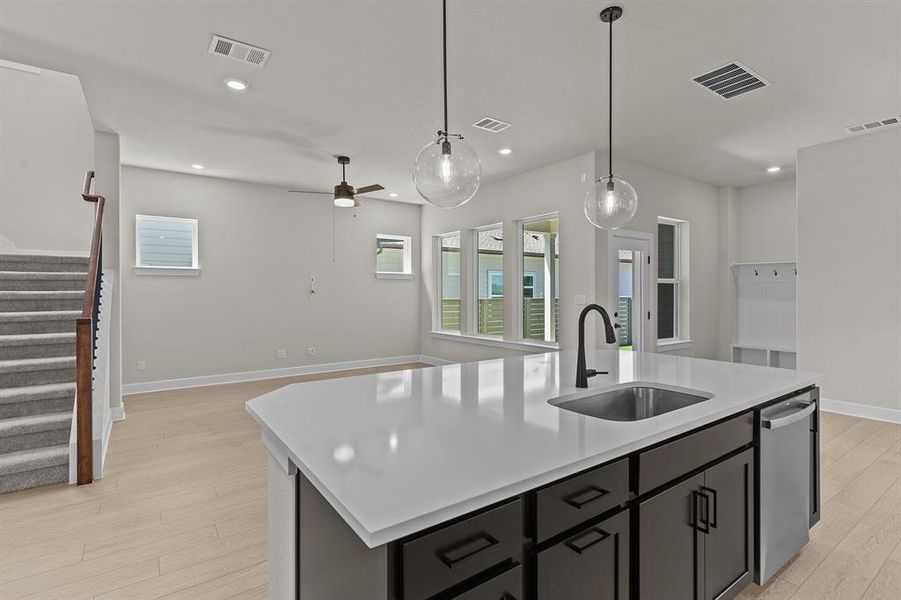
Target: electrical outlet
column 281, row 354
column 311, row 351
column 581, row 300
column 142, row 365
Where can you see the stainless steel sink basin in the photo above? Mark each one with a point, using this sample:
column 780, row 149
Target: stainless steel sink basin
column 632, row 402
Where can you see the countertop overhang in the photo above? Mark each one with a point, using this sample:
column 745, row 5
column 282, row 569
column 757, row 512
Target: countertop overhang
column 395, row 453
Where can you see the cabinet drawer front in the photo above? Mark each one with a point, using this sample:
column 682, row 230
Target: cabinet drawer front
column 446, row 557
column 575, row 500
column 506, row 586
column 674, row 459
column 592, row 564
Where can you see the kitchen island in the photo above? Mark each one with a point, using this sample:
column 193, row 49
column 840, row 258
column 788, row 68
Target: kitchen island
column 464, row 481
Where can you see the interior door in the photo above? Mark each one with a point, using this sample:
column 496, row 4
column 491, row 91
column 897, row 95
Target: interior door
column 729, row 486
column 629, row 297
column 671, row 544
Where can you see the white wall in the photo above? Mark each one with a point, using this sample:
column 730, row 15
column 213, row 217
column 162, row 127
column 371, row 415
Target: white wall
column 767, row 222
column 583, row 249
column 849, row 282
column 662, row 194
column 259, row 246
column 46, row 146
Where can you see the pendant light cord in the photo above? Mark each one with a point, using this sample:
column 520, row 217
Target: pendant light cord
column 610, row 107
column 444, row 57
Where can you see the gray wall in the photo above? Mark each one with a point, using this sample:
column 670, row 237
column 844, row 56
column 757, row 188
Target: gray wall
column 849, row 282
column 259, row 246
column 767, row 222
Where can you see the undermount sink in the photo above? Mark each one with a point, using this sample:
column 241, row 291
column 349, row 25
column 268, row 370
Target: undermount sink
column 632, row 402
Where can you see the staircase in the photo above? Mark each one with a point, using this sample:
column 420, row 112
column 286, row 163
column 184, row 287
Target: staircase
column 40, row 299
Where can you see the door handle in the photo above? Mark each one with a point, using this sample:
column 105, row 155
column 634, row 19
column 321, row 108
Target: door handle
column 467, row 549
column 705, row 490
column 702, row 525
column 583, row 542
column 790, row 418
column 580, row 499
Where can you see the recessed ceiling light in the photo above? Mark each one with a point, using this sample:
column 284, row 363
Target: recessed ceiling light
column 236, row 85
column 505, row 151
column 774, row 169
column 393, row 194
column 197, row 166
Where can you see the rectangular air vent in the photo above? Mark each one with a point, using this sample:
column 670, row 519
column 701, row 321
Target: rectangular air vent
column 871, row 125
column 492, row 125
column 731, row 80
column 239, row 51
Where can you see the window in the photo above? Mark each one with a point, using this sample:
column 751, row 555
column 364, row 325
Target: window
column 490, row 253
column 540, row 280
column 670, row 241
column 495, row 284
column 165, row 242
column 450, row 281
column 393, row 256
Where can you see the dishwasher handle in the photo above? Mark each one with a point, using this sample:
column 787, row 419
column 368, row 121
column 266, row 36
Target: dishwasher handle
column 790, row 418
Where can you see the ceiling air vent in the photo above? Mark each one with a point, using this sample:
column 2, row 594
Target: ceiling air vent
column 887, row 122
column 492, row 125
column 239, row 51
column 731, row 80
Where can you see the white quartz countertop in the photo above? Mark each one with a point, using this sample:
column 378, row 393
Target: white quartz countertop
column 397, row 452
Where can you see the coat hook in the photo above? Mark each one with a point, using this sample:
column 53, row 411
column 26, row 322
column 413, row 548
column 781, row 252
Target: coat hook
column 775, row 273
column 755, row 272
column 796, row 271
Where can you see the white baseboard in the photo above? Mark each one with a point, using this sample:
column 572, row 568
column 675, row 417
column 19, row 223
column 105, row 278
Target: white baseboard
column 864, row 411
column 117, row 413
column 189, row 382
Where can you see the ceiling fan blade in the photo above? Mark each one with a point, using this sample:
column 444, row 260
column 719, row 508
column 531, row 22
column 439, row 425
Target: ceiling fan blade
column 369, row 188
column 311, row 192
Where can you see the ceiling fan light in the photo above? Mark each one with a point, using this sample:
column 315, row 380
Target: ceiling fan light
column 344, row 202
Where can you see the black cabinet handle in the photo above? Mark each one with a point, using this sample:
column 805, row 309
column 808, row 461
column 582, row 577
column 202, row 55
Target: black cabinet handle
column 701, row 524
column 587, row 496
column 466, row 549
column 712, row 492
column 583, row 542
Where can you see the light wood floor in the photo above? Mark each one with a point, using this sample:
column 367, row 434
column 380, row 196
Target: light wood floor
column 181, row 512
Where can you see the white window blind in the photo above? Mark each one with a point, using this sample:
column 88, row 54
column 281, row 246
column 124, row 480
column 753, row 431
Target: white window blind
column 166, row 242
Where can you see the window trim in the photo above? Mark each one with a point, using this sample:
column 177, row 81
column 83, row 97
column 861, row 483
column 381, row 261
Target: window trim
column 680, row 335
column 407, row 241
column 167, row 269
column 473, row 302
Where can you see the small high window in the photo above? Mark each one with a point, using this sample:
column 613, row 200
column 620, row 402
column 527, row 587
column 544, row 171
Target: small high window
column 165, row 242
column 393, row 256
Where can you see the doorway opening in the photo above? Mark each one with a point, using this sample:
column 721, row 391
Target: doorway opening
column 629, row 255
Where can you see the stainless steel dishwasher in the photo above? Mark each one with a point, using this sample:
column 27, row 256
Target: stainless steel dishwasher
column 785, row 482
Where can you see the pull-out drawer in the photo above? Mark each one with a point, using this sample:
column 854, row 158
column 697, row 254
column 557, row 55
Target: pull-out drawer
column 674, row 459
column 453, row 554
column 506, row 586
column 565, row 504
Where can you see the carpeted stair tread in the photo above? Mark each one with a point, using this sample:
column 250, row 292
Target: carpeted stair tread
column 36, row 364
column 35, row 424
column 39, row 315
column 40, row 294
column 42, row 258
column 27, row 339
column 38, row 275
column 37, row 392
column 33, row 459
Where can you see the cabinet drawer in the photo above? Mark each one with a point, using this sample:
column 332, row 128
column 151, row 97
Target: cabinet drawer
column 674, row 459
column 567, row 503
column 453, row 554
column 506, row 586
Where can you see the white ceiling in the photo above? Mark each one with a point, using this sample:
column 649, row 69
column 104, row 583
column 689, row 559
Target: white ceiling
column 363, row 78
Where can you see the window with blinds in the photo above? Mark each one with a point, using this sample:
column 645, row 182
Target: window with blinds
column 165, row 242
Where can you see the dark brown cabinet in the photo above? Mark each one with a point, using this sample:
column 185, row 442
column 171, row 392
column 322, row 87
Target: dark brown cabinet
column 696, row 538
column 592, row 564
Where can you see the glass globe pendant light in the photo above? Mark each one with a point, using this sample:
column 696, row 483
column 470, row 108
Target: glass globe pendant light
column 447, row 172
column 613, row 201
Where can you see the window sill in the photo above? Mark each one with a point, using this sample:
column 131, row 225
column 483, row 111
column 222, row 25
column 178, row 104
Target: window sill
column 379, row 275
column 496, row 342
column 673, row 345
column 168, row 271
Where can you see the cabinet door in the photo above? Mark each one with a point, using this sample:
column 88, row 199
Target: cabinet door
column 591, row 565
column 671, row 543
column 729, row 487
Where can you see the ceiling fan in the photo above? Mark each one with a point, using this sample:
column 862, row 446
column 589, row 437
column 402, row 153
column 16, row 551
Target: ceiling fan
column 344, row 192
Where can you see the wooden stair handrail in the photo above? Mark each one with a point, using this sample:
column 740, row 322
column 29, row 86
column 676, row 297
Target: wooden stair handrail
column 85, row 335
